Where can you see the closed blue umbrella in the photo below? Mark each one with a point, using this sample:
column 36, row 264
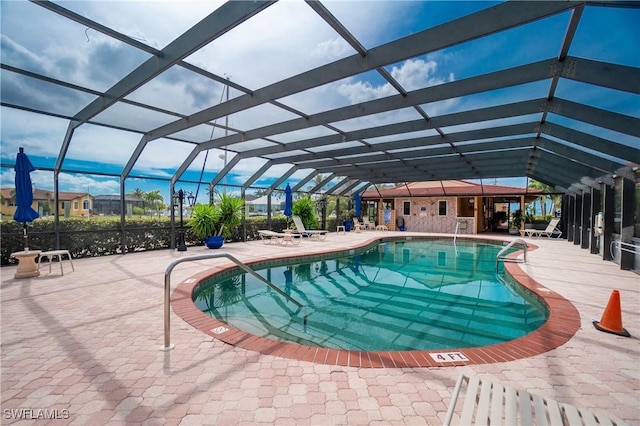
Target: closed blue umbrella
column 24, row 193
column 288, row 201
column 356, row 208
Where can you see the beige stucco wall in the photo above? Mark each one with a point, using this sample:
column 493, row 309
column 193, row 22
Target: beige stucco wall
column 424, row 216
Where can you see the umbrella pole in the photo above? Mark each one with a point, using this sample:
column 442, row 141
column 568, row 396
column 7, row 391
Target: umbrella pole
column 24, row 236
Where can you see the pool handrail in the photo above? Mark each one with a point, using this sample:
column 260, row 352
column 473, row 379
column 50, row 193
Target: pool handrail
column 167, row 288
column 500, row 258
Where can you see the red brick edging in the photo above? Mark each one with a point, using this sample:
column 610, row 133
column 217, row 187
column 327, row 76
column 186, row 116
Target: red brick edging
column 562, row 324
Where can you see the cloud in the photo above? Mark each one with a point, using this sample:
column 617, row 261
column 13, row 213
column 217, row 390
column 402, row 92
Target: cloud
column 412, row 74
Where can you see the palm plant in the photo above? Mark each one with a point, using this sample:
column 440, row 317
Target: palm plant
column 204, row 220
column 217, row 219
column 230, row 212
column 305, row 208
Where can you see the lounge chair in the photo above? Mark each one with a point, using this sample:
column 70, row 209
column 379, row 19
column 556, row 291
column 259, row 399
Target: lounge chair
column 357, row 226
column 549, row 231
column 368, row 225
column 321, row 234
column 489, row 402
column 269, row 237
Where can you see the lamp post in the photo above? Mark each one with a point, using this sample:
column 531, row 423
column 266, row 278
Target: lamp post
column 180, row 197
column 321, row 204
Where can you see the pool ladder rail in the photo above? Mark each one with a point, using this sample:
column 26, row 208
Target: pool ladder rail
column 167, row 290
column 501, row 257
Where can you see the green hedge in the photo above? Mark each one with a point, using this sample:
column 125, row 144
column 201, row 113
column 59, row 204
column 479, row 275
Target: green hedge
column 100, row 236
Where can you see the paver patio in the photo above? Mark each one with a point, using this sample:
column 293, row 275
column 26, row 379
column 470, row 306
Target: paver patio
column 85, row 347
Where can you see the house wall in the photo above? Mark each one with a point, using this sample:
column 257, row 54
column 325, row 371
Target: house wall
column 76, row 206
column 424, row 216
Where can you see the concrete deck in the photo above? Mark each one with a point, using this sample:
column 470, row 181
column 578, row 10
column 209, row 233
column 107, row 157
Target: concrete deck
column 84, row 347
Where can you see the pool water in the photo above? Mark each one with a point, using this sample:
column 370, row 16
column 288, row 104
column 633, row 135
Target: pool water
column 397, row 295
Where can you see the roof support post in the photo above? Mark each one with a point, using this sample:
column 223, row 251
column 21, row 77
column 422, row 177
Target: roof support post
column 571, row 217
column 627, row 257
column 586, row 219
column 564, row 215
column 609, row 208
column 577, row 218
column 595, row 209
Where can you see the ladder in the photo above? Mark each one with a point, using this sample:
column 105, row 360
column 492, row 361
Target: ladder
column 502, row 257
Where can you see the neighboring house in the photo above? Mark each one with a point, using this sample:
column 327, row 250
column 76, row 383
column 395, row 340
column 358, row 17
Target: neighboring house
column 70, row 204
column 106, row 205
column 440, row 206
column 259, row 206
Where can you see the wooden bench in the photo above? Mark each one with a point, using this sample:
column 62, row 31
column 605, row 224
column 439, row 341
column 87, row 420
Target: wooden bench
column 51, row 254
column 489, row 402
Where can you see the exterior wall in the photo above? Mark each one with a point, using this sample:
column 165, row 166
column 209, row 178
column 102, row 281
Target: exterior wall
column 76, row 206
column 424, row 216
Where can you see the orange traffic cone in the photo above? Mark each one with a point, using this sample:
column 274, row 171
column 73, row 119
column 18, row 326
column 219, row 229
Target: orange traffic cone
column 611, row 320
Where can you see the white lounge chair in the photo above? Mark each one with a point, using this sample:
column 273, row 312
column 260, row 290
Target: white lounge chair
column 321, row 234
column 269, row 237
column 489, row 402
column 368, row 225
column 549, row 231
column 357, row 226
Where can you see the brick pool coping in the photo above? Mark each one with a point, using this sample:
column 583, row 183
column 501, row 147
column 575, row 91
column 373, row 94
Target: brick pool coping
column 562, row 324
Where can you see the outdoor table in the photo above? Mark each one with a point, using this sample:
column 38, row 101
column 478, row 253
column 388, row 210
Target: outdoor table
column 27, row 267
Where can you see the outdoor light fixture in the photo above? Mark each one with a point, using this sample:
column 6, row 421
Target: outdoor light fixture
column 179, row 198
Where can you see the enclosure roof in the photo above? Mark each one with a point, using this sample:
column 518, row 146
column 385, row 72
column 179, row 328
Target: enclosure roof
column 448, row 188
column 330, row 97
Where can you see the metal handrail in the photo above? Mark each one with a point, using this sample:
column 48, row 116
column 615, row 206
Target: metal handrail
column 499, row 256
column 167, row 288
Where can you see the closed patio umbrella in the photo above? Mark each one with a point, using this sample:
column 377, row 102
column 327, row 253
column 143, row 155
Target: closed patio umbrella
column 24, row 194
column 288, row 201
column 356, row 207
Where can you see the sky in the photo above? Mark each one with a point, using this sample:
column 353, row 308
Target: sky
column 284, row 40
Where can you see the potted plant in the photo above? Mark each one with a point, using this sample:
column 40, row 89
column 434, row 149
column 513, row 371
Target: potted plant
column 204, row 221
column 528, row 217
column 347, row 220
column 516, row 221
column 214, row 222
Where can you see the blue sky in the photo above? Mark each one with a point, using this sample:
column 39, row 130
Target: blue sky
column 291, row 39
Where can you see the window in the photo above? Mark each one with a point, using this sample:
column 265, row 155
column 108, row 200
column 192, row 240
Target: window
column 442, row 208
column 407, row 208
column 85, row 205
column 75, row 205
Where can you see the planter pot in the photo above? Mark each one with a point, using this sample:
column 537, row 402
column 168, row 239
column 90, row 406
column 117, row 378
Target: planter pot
column 214, row 242
column 347, row 225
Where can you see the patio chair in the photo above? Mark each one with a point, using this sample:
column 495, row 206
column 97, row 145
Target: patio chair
column 549, row 231
column 489, row 402
column 357, row 226
column 368, row 225
column 321, row 234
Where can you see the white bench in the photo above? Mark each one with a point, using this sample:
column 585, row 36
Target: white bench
column 51, row 254
column 489, row 402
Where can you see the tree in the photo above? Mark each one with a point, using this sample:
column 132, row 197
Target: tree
column 317, row 180
column 137, row 193
column 555, row 198
column 261, row 192
column 154, row 199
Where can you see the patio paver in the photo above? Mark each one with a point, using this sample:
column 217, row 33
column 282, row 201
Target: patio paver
column 84, row 347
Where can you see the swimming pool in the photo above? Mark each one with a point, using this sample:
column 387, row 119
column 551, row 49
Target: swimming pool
column 421, row 294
